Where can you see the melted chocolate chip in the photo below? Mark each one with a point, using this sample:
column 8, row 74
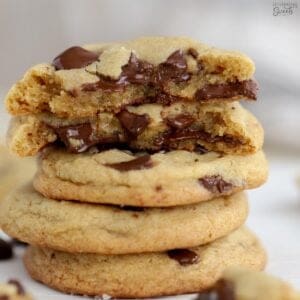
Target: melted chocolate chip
column 222, row 290
column 139, row 163
column 216, row 184
column 18, row 285
column 183, row 256
column 137, row 71
column 73, row 58
column 6, row 251
column 77, row 138
column 3, row 297
column 191, row 133
column 247, row 88
column 173, row 69
column 164, row 99
column 180, row 121
column 133, row 123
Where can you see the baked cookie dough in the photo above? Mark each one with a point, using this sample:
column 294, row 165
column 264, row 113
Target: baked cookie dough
column 222, row 127
column 145, row 275
column 158, row 180
column 82, row 82
column 80, row 227
column 13, row 171
column 238, row 283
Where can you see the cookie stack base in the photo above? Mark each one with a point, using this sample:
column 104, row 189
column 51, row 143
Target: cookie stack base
column 143, row 275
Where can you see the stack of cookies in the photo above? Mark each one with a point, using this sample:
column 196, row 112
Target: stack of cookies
column 144, row 153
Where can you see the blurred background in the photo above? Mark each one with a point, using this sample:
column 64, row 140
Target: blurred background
column 35, row 31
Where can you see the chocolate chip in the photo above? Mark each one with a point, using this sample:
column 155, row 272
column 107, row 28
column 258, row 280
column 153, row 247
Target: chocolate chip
column 73, row 58
column 3, row 297
column 6, row 251
column 173, row 69
column 137, row 71
column 77, row 138
column 139, row 163
column 216, row 184
column 183, row 256
column 180, row 121
column 158, row 188
column 133, row 123
column 18, row 285
column 247, row 88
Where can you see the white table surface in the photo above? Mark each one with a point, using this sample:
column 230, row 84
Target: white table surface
column 274, row 216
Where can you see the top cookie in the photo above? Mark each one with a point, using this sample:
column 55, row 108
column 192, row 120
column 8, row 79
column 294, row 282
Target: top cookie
column 81, row 82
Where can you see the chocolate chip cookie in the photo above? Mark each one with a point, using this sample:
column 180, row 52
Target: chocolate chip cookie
column 177, row 271
column 223, row 127
column 140, row 179
column 78, row 227
column 83, row 81
column 13, row 171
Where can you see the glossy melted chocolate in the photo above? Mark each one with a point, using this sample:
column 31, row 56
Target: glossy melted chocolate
column 184, row 256
column 216, row 184
column 139, row 163
column 74, row 58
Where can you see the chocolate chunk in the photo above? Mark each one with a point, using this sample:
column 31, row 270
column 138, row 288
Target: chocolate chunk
column 3, row 297
column 216, row 184
column 174, row 68
column 180, row 121
column 6, row 251
column 247, row 88
column 183, row 256
column 103, row 84
column 192, row 133
column 18, row 285
column 137, row 71
column 180, row 135
column 222, row 290
column 133, row 123
column 139, row 163
column 164, row 99
column 77, row 138
column 74, row 58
